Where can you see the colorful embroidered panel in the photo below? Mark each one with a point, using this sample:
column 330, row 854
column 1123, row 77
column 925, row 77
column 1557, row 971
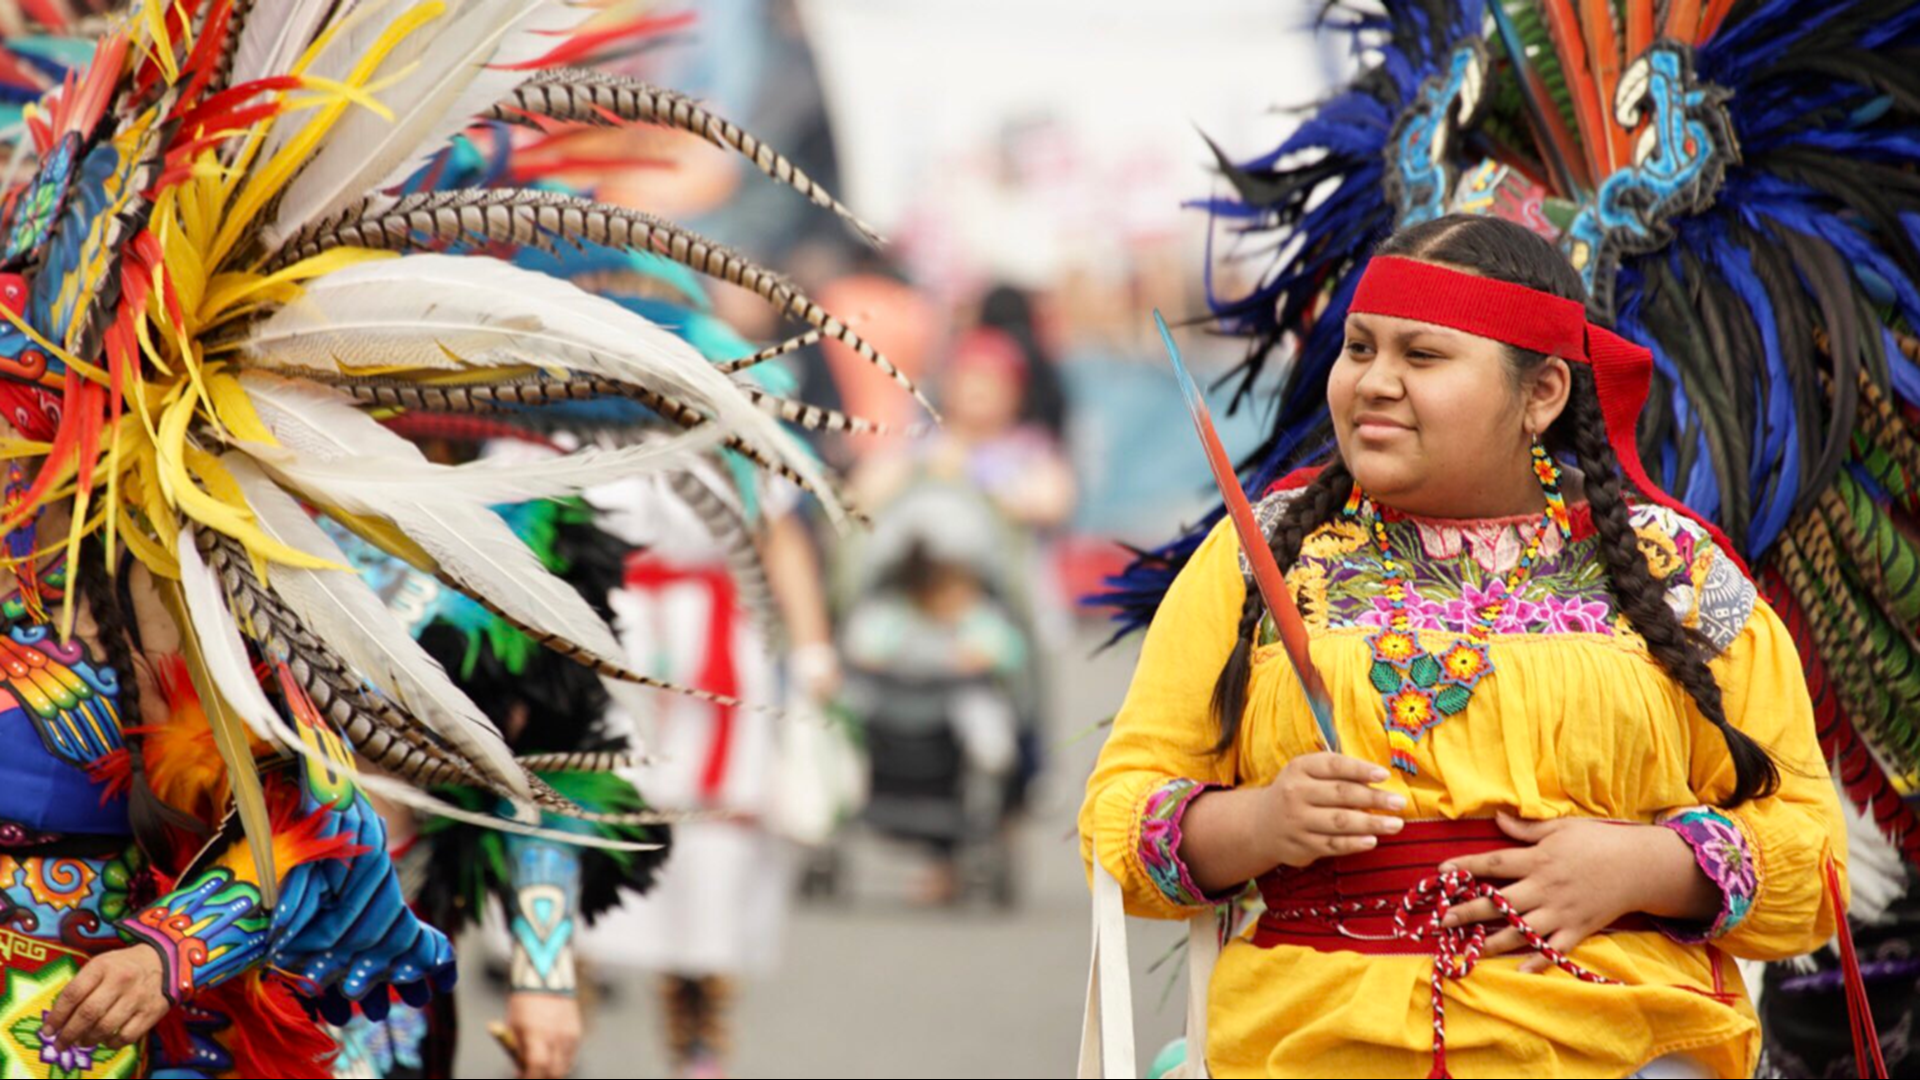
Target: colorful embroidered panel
column 1160, row 842
column 1457, row 567
column 33, row 973
column 1727, row 859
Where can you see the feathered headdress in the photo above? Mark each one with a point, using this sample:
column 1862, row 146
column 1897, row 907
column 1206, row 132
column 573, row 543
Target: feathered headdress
column 238, row 233
column 1735, row 179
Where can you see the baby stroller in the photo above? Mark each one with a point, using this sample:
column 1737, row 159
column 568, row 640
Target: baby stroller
column 941, row 675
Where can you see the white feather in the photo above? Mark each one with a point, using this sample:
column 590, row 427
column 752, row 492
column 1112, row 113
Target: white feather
column 467, row 540
column 222, row 647
column 1876, row 870
column 225, row 654
column 350, row 617
column 490, row 482
column 364, row 21
column 634, row 709
column 276, row 34
column 454, row 69
column 446, row 312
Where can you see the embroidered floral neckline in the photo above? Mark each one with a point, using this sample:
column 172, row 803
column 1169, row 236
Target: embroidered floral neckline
column 1496, row 544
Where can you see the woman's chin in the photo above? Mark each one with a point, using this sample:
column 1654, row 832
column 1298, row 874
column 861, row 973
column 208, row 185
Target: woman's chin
column 1383, row 476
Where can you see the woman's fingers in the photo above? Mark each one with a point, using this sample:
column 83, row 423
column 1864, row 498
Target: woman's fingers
column 1345, row 794
column 1346, row 845
column 1473, row 911
column 1342, row 767
column 1512, row 864
column 1504, row 942
column 1350, row 823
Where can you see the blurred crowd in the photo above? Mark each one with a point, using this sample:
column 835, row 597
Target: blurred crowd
column 896, row 684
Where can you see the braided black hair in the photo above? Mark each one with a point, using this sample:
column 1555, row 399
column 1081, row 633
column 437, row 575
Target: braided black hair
column 1504, row 251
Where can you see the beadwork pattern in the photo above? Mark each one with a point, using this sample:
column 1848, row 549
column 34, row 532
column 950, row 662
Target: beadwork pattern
column 1418, row 689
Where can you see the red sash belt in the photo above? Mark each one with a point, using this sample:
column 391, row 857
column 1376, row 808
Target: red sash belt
column 1393, row 899
column 1359, row 903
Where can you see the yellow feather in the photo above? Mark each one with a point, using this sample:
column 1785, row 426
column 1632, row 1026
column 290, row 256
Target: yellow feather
column 152, row 554
column 272, row 178
column 14, row 449
column 330, row 91
column 156, row 19
column 224, row 487
column 76, row 530
column 233, row 288
column 236, row 409
column 208, row 509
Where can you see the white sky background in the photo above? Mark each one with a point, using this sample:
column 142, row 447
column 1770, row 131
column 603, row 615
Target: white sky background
column 918, row 88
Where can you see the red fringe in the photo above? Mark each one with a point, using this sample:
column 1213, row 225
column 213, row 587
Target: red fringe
column 270, row 1036
column 114, row 772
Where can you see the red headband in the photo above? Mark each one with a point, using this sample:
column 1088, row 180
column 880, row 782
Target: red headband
column 1530, row 319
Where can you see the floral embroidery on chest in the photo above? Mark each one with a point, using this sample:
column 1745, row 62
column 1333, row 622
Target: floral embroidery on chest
column 1452, row 572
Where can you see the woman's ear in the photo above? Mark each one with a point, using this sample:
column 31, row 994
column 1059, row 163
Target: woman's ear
column 1547, row 393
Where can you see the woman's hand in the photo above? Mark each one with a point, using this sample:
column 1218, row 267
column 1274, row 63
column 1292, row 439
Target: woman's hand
column 1578, row 876
column 1326, row 804
column 1319, row 805
column 115, row 1000
column 546, row 1029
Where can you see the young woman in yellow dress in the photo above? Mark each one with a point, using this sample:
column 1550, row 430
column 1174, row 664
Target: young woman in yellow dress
column 1580, row 769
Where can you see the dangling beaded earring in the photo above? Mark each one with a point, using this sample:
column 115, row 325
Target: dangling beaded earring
column 1547, row 471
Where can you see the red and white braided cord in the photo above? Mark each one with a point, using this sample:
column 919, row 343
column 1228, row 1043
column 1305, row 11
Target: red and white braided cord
column 1420, row 916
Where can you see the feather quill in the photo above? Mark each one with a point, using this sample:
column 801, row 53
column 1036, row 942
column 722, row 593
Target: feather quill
column 467, row 542
column 340, row 608
column 440, row 313
column 448, row 75
column 491, row 483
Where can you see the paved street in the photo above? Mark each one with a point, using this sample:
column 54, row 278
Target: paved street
column 871, row 987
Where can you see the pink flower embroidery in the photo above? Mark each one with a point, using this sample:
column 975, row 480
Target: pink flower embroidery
column 1464, row 612
column 1422, row 614
column 1574, row 615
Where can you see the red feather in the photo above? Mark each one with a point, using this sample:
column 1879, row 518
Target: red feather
column 114, row 774
column 1683, row 21
column 1603, row 47
column 1640, row 19
column 212, row 42
column 584, row 44
column 269, row 1035
column 1564, row 26
column 83, row 101
column 64, row 441
column 1859, row 772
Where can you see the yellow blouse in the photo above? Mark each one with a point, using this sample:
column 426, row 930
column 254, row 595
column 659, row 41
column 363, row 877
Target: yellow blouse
column 1571, row 723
